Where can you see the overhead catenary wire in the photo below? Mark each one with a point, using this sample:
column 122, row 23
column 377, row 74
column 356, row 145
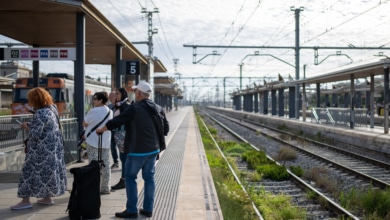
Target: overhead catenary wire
column 348, row 20
column 237, row 34
column 165, row 39
column 126, row 18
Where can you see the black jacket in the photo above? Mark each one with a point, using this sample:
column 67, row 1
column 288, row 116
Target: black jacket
column 141, row 135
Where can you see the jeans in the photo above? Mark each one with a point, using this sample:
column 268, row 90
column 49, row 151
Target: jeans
column 114, row 151
column 133, row 165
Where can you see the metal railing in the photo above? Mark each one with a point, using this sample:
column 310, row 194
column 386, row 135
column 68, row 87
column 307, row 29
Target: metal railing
column 12, row 136
column 340, row 116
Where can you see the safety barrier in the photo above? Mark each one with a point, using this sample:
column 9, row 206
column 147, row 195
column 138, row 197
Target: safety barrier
column 12, row 136
column 340, row 116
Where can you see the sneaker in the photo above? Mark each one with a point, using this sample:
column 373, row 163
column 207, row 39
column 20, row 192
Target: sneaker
column 126, row 214
column 21, row 206
column 145, row 213
column 115, row 166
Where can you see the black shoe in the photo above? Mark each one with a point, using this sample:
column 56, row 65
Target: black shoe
column 145, row 213
column 104, row 192
column 119, row 185
column 115, row 166
column 126, row 214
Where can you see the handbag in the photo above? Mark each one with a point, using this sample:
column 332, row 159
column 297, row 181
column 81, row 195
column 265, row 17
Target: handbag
column 119, row 137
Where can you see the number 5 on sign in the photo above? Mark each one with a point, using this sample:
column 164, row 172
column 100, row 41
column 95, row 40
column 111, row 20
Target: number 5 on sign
column 132, row 67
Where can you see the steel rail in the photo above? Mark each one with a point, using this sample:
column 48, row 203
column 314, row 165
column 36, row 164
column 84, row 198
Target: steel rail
column 333, row 205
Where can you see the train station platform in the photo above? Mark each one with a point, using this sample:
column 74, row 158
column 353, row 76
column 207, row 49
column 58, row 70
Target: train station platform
column 364, row 137
column 184, row 185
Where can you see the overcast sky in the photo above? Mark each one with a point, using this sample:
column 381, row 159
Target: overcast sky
column 360, row 23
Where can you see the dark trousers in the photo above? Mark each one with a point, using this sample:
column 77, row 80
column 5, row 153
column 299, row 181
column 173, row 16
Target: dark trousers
column 114, row 150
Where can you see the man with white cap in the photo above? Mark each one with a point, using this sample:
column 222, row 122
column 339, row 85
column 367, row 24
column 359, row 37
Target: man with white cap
column 142, row 145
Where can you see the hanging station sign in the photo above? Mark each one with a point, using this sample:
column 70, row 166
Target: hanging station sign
column 132, row 67
column 38, row 53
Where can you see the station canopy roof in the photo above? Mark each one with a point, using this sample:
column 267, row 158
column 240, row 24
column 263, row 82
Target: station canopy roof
column 52, row 23
column 167, row 86
column 359, row 71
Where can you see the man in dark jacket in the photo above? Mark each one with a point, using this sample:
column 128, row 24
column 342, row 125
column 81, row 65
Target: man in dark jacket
column 142, row 145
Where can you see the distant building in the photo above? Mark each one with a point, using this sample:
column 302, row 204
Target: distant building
column 9, row 71
column 13, row 70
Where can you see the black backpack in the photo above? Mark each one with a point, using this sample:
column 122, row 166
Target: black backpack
column 165, row 123
column 160, row 123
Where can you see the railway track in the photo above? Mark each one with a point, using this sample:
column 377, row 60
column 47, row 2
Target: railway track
column 348, row 167
column 295, row 187
column 367, row 168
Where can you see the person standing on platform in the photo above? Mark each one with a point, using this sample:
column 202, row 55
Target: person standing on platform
column 114, row 151
column 99, row 114
column 119, row 134
column 43, row 174
column 142, row 146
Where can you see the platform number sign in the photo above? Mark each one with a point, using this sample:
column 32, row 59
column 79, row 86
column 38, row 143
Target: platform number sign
column 133, row 67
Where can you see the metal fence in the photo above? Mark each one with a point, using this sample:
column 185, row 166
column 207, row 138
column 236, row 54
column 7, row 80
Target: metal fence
column 340, row 116
column 12, row 136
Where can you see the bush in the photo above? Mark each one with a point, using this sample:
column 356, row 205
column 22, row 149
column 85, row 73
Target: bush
column 277, row 206
column 273, row 171
column 286, row 153
column 298, row 171
column 255, row 158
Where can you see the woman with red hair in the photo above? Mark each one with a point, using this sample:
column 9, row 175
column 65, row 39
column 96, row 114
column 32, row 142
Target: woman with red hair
column 43, row 174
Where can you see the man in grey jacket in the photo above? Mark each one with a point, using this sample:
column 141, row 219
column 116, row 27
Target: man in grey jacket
column 142, row 145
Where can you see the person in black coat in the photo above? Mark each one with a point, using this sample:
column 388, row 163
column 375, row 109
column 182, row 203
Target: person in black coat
column 143, row 142
column 121, row 104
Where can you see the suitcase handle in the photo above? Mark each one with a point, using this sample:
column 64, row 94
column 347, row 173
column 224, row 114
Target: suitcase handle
column 100, row 149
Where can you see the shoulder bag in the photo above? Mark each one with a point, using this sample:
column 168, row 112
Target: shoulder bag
column 96, row 126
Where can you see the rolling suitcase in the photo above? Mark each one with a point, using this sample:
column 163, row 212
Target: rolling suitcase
column 84, row 201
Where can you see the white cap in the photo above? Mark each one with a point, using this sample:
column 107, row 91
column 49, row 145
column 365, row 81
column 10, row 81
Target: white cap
column 143, row 87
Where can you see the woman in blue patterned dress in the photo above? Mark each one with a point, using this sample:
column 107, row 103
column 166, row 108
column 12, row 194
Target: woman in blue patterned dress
column 43, row 174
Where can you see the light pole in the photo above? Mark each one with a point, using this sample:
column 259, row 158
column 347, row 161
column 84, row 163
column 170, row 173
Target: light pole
column 241, row 64
column 151, row 31
column 297, row 47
